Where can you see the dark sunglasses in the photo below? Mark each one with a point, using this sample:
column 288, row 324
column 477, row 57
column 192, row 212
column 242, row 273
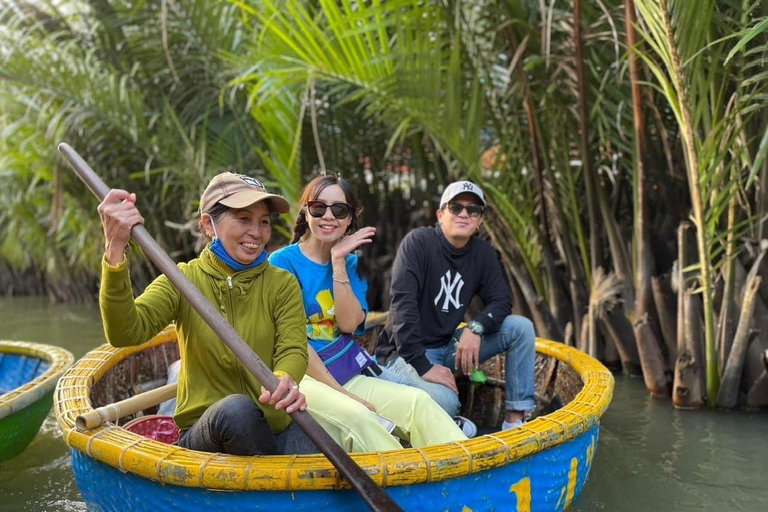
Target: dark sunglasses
column 339, row 210
column 473, row 210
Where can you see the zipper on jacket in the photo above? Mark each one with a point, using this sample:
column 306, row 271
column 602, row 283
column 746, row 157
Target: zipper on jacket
column 236, row 361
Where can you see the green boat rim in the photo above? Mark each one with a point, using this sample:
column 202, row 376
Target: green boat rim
column 19, row 398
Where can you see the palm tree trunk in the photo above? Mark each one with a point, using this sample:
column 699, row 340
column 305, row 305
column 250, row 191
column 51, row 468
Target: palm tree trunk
column 729, row 391
column 761, row 191
column 665, row 299
column 546, row 325
column 557, row 299
column 645, row 267
column 728, row 305
column 595, row 248
column 687, row 392
column 692, row 161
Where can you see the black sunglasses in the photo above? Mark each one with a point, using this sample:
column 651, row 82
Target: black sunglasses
column 339, row 210
column 473, row 210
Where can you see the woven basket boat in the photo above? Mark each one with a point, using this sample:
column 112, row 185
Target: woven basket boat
column 539, row 467
column 28, row 375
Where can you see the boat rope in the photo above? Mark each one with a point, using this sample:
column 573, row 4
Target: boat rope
column 384, row 469
column 469, row 457
column 537, row 434
column 288, row 473
column 505, row 445
column 104, row 413
column 556, row 422
column 202, row 466
column 578, row 415
column 170, row 452
column 247, row 474
column 429, row 464
column 125, row 449
column 94, row 436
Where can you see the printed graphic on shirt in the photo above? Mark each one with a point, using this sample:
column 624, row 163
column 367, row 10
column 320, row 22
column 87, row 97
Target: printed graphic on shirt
column 450, row 288
column 321, row 317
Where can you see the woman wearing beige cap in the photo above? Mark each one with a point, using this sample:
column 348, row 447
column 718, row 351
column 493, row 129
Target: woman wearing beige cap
column 221, row 407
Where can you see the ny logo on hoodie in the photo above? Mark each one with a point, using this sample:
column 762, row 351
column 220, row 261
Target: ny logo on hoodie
column 451, row 288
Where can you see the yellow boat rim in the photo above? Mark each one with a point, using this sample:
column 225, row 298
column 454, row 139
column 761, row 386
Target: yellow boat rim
column 173, row 465
column 19, row 398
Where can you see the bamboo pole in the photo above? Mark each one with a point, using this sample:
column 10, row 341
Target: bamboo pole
column 123, row 408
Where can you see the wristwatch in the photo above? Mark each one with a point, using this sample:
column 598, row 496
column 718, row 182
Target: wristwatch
column 476, row 327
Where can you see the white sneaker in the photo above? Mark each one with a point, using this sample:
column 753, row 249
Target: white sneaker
column 514, row 424
column 466, row 426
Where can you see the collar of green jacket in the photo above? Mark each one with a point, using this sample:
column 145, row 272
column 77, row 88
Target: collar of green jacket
column 218, row 269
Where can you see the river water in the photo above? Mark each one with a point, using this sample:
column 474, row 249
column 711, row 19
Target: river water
column 650, row 457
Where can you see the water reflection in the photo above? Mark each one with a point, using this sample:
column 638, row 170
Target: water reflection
column 652, row 457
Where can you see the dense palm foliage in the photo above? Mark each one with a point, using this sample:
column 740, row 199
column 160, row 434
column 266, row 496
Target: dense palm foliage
column 595, row 133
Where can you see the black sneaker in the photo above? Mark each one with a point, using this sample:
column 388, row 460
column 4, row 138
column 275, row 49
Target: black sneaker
column 466, row 426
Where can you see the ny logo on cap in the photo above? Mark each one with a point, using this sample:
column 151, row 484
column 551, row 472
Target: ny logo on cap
column 468, row 186
column 251, row 181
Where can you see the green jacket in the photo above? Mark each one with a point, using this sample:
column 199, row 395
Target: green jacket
column 263, row 304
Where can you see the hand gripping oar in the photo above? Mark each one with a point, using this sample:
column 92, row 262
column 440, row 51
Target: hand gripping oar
column 372, row 495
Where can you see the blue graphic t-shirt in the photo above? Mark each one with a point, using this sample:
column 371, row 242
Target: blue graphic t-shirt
column 316, row 283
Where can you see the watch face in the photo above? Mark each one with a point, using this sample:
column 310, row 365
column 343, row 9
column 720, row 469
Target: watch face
column 476, row 327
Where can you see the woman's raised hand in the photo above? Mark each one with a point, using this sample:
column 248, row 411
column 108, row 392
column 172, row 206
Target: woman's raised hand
column 118, row 214
column 286, row 396
column 350, row 243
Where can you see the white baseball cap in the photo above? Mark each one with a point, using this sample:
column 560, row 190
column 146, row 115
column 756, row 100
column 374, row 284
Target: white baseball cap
column 461, row 187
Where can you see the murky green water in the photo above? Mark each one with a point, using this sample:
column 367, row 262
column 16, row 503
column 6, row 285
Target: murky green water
column 650, row 457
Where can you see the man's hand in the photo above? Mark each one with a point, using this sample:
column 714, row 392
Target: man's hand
column 441, row 375
column 468, row 352
column 286, row 396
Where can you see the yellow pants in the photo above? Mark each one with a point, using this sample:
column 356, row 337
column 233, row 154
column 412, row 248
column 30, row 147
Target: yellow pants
column 418, row 418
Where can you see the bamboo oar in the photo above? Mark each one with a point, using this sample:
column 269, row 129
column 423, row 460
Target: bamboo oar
column 372, row 495
column 117, row 410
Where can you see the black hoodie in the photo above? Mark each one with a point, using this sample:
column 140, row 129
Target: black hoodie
column 433, row 283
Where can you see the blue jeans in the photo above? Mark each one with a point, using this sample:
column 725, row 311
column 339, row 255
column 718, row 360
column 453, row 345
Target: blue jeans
column 516, row 338
column 237, row 426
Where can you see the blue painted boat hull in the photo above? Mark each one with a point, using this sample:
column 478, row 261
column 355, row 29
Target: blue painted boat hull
column 550, row 479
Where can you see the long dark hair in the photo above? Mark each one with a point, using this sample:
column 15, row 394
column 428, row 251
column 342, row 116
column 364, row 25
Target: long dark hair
column 313, row 190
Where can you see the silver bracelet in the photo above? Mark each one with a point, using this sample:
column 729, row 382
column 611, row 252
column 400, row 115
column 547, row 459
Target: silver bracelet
column 341, row 281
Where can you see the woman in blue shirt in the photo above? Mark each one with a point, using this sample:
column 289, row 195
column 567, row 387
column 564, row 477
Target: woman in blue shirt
column 342, row 392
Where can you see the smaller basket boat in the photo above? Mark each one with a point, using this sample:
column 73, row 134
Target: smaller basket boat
column 28, row 376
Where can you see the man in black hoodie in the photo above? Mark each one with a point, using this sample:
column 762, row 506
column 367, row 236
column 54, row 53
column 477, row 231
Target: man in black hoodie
column 437, row 272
